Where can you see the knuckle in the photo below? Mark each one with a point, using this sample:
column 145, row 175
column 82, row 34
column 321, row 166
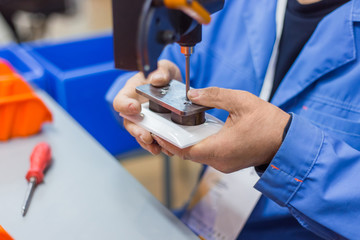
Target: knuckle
column 245, row 96
column 122, row 102
column 222, row 167
column 146, row 137
column 131, row 128
column 213, row 92
column 226, row 169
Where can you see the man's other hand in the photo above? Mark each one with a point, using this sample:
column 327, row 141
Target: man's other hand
column 128, row 102
column 251, row 136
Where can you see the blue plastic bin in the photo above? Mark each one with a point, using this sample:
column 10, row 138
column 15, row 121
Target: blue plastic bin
column 24, row 64
column 80, row 73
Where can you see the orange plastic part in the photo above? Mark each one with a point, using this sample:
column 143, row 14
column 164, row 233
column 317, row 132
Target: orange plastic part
column 192, row 8
column 22, row 113
column 4, row 235
column 5, row 67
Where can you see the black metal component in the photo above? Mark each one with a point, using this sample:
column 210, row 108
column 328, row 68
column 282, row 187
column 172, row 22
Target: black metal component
column 142, row 28
column 153, row 106
column 126, row 19
column 166, row 37
column 192, row 38
column 191, row 120
column 155, row 31
column 171, row 97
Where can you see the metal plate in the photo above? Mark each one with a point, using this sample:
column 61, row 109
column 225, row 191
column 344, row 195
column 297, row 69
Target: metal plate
column 172, row 97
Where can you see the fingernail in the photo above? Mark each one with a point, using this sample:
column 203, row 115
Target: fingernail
column 193, row 93
column 132, row 107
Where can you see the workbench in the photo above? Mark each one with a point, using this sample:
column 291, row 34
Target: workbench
column 86, row 193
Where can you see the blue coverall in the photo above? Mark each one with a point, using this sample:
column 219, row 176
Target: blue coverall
column 314, row 179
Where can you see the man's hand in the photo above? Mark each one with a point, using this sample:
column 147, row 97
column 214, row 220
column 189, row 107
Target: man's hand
column 251, row 136
column 128, row 102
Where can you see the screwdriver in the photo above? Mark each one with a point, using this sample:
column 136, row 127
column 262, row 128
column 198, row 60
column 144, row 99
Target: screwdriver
column 39, row 160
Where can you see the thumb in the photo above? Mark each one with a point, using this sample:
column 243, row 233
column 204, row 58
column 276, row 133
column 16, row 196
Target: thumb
column 221, row 98
column 166, row 71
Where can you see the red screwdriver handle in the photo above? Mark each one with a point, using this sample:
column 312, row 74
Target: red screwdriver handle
column 39, row 161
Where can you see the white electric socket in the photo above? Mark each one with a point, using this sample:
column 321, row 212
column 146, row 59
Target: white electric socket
column 181, row 136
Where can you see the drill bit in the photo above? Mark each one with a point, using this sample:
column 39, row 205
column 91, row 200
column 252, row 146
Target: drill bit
column 187, row 75
column 187, row 51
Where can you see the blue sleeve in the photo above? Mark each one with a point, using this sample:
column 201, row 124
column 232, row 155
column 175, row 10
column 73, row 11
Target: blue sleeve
column 317, row 178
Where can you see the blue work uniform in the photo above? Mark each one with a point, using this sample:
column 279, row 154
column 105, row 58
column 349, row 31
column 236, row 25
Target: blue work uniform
column 312, row 185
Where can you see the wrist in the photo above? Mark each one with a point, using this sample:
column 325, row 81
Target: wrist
column 261, row 168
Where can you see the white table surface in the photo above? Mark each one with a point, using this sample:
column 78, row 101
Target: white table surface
column 86, row 193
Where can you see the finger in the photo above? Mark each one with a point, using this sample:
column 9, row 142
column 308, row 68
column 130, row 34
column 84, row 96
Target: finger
column 167, row 152
column 206, row 150
column 210, row 150
column 126, row 105
column 217, row 97
column 138, row 132
column 127, row 101
column 166, row 71
column 153, row 148
column 172, row 149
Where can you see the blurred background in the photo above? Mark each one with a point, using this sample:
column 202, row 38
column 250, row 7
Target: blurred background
column 28, row 20
column 33, row 20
